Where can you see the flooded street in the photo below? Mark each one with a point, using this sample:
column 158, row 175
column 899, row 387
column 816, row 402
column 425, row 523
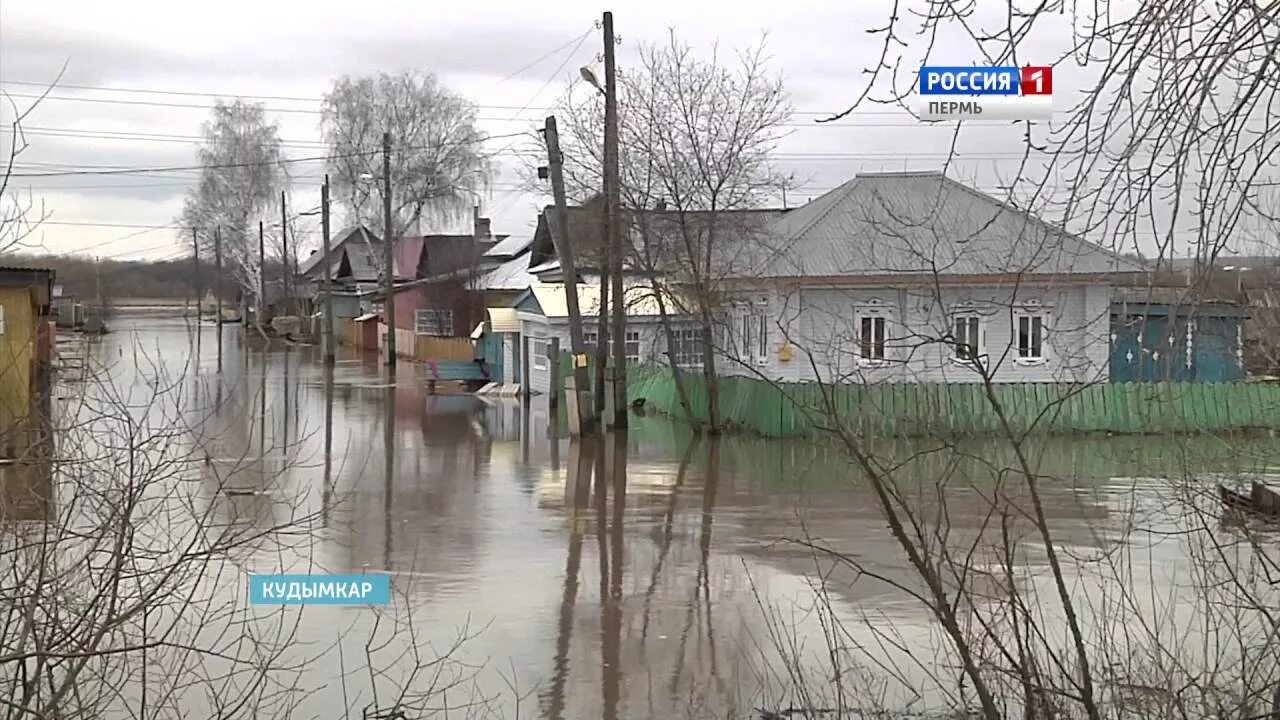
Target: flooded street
column 659, row 577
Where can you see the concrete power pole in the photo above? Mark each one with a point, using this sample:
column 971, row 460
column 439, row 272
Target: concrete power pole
column 217, row 259
column 324, row 260
column 388, row 260
column 569, row 269
column 614, row 205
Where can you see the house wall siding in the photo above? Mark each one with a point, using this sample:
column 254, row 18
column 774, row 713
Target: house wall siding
column 467, row 305
column 17, row 350
column 652, row 339
column 509, row 341
column 539, row 364
column 821, row 324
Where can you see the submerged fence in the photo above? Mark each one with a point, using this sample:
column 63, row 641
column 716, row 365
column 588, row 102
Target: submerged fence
column 914, row 410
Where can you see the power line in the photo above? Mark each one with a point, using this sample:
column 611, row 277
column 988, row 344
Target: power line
column 909, row 121
column 183, row 168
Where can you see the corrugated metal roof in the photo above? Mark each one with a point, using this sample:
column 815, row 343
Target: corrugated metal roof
column 554, row 301
column 509, row 247
column 923, row 222
column 510, row 275
column 503, row 320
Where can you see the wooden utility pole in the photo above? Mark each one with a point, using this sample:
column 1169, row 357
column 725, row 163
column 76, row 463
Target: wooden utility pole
column 324, row 260
column 217, row 255
column 388, row 260
column 614, row 204
column 262, row 275
column 195, row 244
column 284, row 253
column 568, row 269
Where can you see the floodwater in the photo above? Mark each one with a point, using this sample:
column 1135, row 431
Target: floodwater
column 663, row 576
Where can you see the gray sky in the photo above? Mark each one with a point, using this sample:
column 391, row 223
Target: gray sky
column 489, row 52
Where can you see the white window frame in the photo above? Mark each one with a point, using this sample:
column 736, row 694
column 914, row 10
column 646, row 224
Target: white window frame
column 1029, row 315
column 979, row 343
column 2, row 327
column 688, row 350
column 760, row 318
column 538, row 348
column 631, row 337
column 443, row 322
column 872, row 310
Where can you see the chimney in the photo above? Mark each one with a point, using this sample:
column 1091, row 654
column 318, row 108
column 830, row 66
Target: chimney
column 480, row 225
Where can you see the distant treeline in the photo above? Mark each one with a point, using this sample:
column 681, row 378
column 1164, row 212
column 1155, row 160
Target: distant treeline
column 170, row 279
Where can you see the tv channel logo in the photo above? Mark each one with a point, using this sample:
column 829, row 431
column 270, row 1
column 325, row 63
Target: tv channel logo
column 989, row 93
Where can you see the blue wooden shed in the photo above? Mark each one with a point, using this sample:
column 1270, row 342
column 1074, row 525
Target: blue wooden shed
column 1158, row 335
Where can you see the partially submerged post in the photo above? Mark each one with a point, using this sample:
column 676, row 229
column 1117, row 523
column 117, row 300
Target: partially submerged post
column 217, row 280
column 577, row 386
column 324, row 260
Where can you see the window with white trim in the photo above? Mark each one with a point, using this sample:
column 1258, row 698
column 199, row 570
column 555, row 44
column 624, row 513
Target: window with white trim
column 631, row 347
column 590, row 340
column 761, row 320
column 688, row 347
column 2, row 328
column 871, row 338
column 966, row 335
column 538, row 348
column 438, row 323
column 1030, row 333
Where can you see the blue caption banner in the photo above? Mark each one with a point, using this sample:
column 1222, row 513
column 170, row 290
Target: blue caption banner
column 320, row 589
column 937, row 80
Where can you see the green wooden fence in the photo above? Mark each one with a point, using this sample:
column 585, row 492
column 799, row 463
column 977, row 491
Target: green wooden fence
column 916, row 410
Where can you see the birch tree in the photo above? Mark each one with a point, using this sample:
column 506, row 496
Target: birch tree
column 242, row 172
column 437, row 162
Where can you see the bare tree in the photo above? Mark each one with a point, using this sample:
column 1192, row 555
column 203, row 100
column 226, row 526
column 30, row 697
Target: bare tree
column 241, row 176
column 18, row 216
column 1168, row 151
column 696, row 138
column 437, row 163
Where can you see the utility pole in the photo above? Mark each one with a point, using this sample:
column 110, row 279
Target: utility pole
column 262, row 275
column 602, row 321
column 195, row 244
column 217, row 254
column 388, row 260
column 324, row 260
column 568, row 269
column 614, row 200
column 284, row 250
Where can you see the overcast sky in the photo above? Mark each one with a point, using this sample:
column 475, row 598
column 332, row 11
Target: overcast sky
column 502, row 54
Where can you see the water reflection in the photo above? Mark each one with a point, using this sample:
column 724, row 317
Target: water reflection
column 485, row 517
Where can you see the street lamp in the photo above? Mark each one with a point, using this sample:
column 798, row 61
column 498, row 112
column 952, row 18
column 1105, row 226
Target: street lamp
column 1239, row 271
column 590, row 76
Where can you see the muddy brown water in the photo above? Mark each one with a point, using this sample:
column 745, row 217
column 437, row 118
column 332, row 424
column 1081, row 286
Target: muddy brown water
column 653, row 578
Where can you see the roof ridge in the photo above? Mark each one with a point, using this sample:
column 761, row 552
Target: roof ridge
column 901, row 173
column 838, row 194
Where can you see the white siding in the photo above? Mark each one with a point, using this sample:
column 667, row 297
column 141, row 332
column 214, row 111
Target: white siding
column 649, row 330
column 537, row 334
column 509, row 358
column 820, row 326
